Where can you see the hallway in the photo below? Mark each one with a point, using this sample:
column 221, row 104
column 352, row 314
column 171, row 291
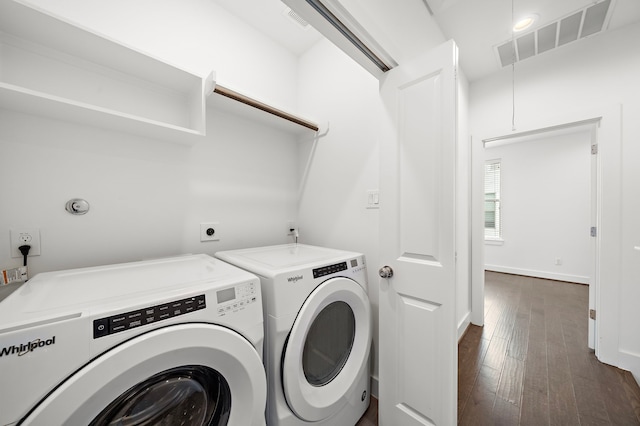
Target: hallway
column 530, row 364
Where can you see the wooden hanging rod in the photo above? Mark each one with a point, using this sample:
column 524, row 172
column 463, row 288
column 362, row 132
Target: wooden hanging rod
column 264, row 107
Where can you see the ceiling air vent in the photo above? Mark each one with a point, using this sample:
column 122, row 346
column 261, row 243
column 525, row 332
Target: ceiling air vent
column 295, row 18
column 580, row 24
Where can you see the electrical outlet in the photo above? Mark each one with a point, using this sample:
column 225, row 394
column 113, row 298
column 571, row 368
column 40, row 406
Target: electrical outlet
column 210, row 231
column 25, row 236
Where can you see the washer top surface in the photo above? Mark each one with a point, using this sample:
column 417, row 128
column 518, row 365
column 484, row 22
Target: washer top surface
column 274, row 260
column 55, row 293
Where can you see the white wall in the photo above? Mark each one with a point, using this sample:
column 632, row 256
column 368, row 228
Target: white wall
column 545, row 205
column 148, row 197
column 196, row 35
column 339, row 168
column 594, row 74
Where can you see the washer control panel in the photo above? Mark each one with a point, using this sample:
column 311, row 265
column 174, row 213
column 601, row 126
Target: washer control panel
column 234, row 299
column 132, row 319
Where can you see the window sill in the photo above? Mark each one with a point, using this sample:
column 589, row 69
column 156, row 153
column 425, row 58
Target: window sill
column 493, row 241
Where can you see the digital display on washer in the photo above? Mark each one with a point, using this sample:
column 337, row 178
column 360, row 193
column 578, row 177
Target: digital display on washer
column 128, row 320
column 328, row 270
column 226, row 295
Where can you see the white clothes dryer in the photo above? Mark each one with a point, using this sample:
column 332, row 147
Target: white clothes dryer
column 317, row 332
column 165, row 342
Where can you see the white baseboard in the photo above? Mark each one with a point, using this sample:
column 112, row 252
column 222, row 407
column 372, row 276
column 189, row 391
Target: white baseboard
column 463, row 325
column 538, row 274
column 631, row 362
column 374, row 386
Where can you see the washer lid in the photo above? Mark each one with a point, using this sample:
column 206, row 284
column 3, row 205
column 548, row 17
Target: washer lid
column 327, row 349
column 59, row 293
column 271, row 260
column 99, row 386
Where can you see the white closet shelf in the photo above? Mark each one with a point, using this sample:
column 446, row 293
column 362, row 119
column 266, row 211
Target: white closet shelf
column 37, row 103
column 55, row 68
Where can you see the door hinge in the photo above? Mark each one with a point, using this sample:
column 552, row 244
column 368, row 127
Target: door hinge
column 592, row 314
column 594, row 149
column 594, row 231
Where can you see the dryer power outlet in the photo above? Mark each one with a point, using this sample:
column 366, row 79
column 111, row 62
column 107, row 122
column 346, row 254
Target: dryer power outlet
column 210, row 231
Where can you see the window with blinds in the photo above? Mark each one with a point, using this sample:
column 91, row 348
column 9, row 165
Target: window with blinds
column 492, row 219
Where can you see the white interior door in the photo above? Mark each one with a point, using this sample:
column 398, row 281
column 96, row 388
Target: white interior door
column 418, row 339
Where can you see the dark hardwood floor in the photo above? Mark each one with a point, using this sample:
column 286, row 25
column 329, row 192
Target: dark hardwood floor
column 370, row 417
column 530, row 365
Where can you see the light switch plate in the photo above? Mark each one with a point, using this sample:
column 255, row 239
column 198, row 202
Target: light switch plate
column 373, row 199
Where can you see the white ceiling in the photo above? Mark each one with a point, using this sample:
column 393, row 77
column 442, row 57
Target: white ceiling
column 477, row 26
column 267, row 16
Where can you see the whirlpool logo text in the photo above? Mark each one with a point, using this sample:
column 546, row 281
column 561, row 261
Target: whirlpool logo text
column 25, row 348
column 294, row 279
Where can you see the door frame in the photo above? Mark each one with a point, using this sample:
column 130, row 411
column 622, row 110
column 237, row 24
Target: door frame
column 607, row 207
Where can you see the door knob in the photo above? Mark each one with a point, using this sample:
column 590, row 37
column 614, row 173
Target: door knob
column 386, row 272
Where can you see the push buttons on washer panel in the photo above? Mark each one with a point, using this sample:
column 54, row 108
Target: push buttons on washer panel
column 100, row 328
column 128, row 320
column 236, row 300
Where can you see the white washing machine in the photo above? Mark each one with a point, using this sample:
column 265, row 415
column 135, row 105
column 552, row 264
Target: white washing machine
column 163, row 342
column 317, row 332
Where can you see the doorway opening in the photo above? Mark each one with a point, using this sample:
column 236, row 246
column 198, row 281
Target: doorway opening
column 548, row 207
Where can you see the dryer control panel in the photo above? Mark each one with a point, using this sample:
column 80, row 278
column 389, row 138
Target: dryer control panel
column 132, row 319
column 234, row 299
column 332, row 269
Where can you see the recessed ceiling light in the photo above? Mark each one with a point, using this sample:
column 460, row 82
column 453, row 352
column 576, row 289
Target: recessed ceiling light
column 524, row 23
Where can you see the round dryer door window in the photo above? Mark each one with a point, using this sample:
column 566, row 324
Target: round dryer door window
column 328, row 343
column 186, row 374
column 327, row 349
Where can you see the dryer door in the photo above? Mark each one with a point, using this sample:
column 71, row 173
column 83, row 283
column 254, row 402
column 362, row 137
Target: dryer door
column 327, row 349
column 187, row 374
